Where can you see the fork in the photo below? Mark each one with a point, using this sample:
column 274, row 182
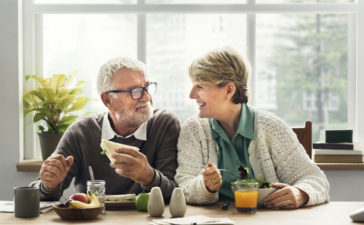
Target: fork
column 237, row 174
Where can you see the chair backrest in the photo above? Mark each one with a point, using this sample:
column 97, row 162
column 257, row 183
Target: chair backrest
column 304, row 136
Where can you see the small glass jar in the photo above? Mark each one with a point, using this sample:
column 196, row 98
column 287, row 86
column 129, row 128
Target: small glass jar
column 98, row 188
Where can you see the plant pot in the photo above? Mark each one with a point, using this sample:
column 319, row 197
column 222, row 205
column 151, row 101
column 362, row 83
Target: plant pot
column 48, row 143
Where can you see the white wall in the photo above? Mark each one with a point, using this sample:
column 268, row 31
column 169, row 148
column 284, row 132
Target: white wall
column 345, row 185
column 9, row 101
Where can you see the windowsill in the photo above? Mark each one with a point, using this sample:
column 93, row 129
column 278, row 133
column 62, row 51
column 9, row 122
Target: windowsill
column 341, row 166
column 29, row 165
column 35, row 164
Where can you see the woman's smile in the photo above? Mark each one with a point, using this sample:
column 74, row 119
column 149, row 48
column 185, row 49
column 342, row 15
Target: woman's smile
column 201, row 104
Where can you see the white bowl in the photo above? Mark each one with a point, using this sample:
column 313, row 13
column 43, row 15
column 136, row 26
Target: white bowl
column 262, row 193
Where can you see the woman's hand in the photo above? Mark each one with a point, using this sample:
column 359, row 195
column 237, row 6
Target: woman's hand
column 287, row 197
column 212, row 178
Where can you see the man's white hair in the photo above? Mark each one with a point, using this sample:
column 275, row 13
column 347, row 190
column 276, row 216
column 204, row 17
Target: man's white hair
column 110, row 67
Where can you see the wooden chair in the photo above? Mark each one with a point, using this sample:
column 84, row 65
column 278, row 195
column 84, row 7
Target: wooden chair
column 304, row 136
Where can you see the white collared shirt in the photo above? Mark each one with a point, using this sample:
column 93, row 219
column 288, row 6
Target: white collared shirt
column 108, row 132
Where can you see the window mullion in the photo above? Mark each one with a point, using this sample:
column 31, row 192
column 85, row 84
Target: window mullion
column 249, row 7
column 38, row 44
column 360, row 72
column 352, row 45
column 141, row 37
column 251, row 37
column 29, row 60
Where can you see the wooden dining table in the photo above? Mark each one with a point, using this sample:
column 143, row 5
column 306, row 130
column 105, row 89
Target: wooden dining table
column 326, row 214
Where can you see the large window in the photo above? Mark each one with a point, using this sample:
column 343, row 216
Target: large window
column 302, row 65
column 302, row 52
column 186, row 40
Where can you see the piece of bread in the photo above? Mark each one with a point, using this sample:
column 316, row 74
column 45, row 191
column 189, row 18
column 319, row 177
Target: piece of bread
column 120, row 198
column 110, row 147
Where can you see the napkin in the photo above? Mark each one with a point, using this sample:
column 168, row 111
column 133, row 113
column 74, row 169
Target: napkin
column 190, row 220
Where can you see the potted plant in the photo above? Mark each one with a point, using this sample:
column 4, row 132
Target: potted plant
column 52, row 103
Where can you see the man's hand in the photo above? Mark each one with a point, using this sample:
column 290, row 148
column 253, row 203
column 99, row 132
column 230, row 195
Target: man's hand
column 55, row 169
column 212, row 178
column 134, row 165
column 287, row 197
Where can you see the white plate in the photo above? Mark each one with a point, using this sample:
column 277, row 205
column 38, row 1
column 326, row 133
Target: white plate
column 112, row 205
column 125, row 201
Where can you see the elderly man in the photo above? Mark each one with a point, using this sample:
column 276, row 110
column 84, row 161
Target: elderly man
column 126, row 91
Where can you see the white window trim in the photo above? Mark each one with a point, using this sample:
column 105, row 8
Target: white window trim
column 32, row 44
column 359, row 74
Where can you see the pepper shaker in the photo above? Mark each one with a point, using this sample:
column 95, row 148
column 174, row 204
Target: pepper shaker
column 156, row 202
column 177, row 206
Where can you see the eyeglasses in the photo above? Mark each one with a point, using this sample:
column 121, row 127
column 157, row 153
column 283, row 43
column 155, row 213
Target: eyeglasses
column 138, row 92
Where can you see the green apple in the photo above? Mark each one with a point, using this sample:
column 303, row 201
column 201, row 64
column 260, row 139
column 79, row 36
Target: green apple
column 141, row 202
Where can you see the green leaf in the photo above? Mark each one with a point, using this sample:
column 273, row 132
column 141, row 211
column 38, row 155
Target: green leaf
column 80, row 82
column 41, row 129
column 39, row 93
column 244, row 172
column 38, row 117
column 79, row 103
column 70, row 79
column 67, row 120
column 43, row 81
column 261, row 183
column 57, row 81
column 66, row 103
column 75, row 91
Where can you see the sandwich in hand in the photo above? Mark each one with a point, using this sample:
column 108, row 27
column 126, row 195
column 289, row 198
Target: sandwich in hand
column 109, row 147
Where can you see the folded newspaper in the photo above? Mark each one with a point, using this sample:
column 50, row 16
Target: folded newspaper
column 203, row 220
column 8, row 206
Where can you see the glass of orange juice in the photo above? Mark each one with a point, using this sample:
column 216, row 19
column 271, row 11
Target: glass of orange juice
column 246, row 195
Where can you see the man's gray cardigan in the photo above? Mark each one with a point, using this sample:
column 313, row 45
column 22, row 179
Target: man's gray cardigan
column 82, row 141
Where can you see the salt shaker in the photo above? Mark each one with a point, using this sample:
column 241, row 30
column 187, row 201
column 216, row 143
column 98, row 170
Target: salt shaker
column 177, row 206
column 156, row 202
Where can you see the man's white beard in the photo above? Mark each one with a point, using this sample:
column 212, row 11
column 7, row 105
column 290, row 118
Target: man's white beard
column 137, row 117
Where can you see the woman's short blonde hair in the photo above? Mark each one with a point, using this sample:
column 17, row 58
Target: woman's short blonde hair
column 219, row 67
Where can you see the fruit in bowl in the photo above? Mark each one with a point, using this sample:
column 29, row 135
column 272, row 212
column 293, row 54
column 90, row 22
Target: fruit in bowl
column 77, row 214
column 79, row 210
column 92, row 199
column 82, row 197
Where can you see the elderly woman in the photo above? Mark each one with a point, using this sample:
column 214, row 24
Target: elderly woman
column 228, row 134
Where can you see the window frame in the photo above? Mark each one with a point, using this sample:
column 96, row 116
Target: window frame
column 32, row 41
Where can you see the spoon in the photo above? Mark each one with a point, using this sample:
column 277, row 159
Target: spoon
column 91, row 175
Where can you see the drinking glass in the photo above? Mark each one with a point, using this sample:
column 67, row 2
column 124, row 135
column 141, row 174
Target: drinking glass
column 98, row 188
column 246, row 196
